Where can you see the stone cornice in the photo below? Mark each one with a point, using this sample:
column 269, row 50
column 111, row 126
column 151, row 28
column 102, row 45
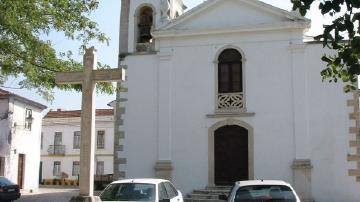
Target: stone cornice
column 229, row 30
column 227, row 115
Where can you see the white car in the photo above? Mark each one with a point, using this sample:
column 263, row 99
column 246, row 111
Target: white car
column 157, row 190
column 261, row 191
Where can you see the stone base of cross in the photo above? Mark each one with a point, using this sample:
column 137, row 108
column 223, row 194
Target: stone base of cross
column 88, row 78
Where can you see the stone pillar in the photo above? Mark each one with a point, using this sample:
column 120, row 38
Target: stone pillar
column 302, row 164
column 123, row 51
column 163, row 169
column 302, row 179
column 124, row 28
column 163, row 166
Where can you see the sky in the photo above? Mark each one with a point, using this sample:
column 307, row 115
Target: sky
column 107, row 16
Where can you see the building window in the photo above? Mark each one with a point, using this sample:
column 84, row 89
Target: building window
column 76, row 168
column 57, row 168
column 28, row 119
column 230, row 96
column 76, row 140
column 58, row 139
column 230, row 72
column 100, row 168
column 42, row 140
column 2, row 166
column 101, row 139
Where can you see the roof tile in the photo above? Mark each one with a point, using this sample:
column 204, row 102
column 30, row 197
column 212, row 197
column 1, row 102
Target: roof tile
column 77, row 113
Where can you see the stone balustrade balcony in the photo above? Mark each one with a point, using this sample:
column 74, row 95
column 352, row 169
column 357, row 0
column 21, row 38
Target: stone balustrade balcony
column 230, row 102
column 56, row 150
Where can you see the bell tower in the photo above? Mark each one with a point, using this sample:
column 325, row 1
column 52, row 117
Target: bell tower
column 140, row 17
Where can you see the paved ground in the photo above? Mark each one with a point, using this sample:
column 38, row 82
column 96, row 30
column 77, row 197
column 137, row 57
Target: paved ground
column 49, row 194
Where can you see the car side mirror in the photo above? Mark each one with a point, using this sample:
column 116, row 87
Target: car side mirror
column 165, row 200
column 223, row 197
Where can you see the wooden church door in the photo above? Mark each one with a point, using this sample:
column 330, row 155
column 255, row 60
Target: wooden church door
column 231, row 155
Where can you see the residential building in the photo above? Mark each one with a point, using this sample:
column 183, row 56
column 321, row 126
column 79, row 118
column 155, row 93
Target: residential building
column 20, row 129
column 231, row 90
column 60, row 145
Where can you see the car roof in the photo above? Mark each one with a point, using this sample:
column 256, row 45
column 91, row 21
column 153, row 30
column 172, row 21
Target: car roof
column 141, row 180
column 261, row 182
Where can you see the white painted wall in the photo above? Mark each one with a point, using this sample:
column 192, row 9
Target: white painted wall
column 329, row 129
column 23, row 141
column 68, row 126
column 171, row 93
column 193, row 97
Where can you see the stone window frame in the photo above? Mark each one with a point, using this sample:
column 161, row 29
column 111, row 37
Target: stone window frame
column 100, row 167
column 216, row 74
column 28, row 119
column 76, row 140
column 57, row 172
column 100, row 135
column 76, row 172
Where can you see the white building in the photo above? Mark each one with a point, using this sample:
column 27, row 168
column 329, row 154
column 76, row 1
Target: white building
column 20, row 128
column 230, row 91
column 60, row 148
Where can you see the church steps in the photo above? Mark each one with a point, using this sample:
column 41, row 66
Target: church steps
column 227, row 188
column 201, row 200
column 204, row 196
column 209, row 194
column 208, row 191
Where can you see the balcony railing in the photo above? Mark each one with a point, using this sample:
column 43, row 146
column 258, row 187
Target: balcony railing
column 230, row 102
column 56, row 150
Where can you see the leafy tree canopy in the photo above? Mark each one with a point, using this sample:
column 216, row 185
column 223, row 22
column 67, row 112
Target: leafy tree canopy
column 25, row 54
column 342, row 35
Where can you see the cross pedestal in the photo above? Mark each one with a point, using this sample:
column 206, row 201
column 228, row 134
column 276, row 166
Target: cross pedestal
column 88, row 78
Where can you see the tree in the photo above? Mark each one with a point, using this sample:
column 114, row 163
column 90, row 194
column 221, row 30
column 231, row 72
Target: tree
column 25, row 54
column 342, row 35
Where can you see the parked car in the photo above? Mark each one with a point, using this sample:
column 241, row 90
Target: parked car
column 157, row 190
column 8, row 190
column 261, row 191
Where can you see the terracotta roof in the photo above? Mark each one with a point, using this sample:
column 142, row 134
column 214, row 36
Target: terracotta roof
column 77, row 113
column 6, row 94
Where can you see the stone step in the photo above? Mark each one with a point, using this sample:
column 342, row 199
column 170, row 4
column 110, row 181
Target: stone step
column 228, row 188
column 201, row 200
column 203, row 196
column 211, row 191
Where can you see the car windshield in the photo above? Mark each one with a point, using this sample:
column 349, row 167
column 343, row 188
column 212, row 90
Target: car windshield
column 265, row 193
column 129, row 192
column 4, row 181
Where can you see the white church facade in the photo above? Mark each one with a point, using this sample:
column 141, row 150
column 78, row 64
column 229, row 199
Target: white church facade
column 230, row 91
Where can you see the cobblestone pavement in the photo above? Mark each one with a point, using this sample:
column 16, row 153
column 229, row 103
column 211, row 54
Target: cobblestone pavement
column 49, row 194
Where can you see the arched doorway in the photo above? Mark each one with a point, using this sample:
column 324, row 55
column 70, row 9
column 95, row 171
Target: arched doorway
column 231, row 154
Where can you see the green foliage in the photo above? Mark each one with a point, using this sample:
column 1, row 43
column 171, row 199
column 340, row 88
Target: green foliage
column 24, row 55
column 343, row 36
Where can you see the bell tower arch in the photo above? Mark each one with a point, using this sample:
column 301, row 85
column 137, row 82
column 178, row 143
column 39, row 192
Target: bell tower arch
column 140, row 17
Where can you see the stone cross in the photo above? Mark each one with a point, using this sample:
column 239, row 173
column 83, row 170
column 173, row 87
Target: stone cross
column 88, row 78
